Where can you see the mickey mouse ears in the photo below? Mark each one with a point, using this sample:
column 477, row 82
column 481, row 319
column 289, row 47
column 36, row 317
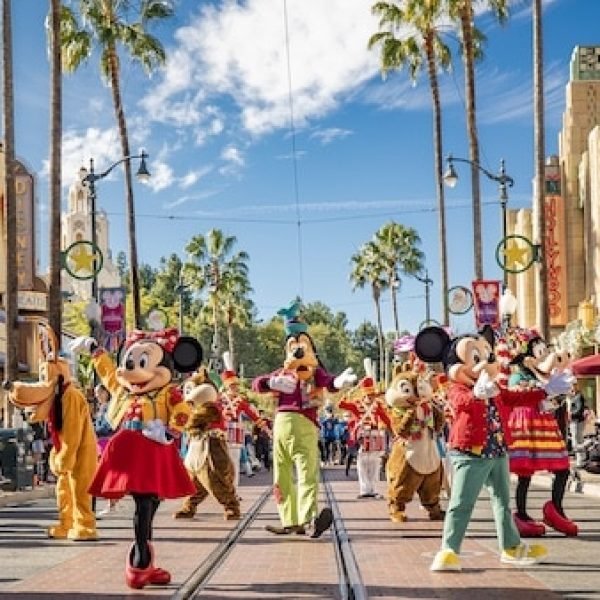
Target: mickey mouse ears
column 431, row 344
column 187, row 354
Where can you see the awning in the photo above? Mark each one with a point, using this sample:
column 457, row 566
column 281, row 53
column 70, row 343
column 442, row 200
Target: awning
column 588, row 366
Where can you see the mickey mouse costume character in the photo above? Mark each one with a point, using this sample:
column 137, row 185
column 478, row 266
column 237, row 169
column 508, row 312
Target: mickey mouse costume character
column 299, row 388
column 477, row 446
column 139, row 459
column 536, row 442
column 56, row 400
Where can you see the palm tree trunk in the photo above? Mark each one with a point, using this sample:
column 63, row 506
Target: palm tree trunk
column 54, row 293
column 230, row 342
column 539, row 150
column 393, row 291
column 120, row 114
column 11, row 366
column 379, row 332
column 469, row 62
column 439, row 183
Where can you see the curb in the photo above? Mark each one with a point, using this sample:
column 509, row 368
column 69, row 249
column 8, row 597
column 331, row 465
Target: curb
column 24, row 496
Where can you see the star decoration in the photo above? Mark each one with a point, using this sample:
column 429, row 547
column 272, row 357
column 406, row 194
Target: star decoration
column 515, row 255
column 82, row 259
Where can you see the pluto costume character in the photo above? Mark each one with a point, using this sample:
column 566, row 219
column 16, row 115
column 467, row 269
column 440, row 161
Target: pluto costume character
column 414, row 464
column 207, row 459
column 299, row 388
column 56, row 400
column 146, row 406
column 477, row 446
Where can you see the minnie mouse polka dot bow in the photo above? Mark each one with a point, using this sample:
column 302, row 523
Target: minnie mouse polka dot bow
column 167, row 338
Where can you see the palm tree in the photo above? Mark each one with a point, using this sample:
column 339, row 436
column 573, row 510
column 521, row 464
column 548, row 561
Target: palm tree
column 424, row 44
column 211, row 257
column 10, row 200
column 105, row 27
column 369, row 270
column 539, row 151
column 471, row 42
column 54, row 293
column 398, row 252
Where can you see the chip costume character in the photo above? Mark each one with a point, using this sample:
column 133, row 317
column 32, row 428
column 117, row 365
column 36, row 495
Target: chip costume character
column 369, row 424
column 56, row 400
column 207, row 458
column 414, row 465
column 299, row 389
column 146, row 406
column 477, row 447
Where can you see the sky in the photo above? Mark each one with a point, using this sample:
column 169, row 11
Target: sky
column 216, row 123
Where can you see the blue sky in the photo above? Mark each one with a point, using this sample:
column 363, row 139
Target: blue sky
column 216, row 123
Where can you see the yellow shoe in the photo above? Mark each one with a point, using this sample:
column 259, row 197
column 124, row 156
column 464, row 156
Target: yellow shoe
column 398, row 516
column 445, row 560
column 524, row 555
column 82, row 534
column 57, row 532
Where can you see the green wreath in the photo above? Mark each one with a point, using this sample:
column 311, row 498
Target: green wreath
column 502, row 248
column 77, row 254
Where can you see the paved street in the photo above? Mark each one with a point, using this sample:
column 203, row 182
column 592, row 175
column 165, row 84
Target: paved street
column 393, row 559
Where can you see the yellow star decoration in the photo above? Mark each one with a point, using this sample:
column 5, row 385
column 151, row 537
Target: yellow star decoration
column 82, row 259
column 515, row 255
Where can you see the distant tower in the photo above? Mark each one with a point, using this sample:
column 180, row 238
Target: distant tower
column 76, row 226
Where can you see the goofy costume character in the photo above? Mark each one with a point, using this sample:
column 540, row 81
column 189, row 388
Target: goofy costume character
column 139, row 459
column 299, row 388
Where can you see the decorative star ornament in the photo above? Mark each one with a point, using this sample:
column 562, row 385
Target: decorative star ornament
column 82, row 259
column 515, row 255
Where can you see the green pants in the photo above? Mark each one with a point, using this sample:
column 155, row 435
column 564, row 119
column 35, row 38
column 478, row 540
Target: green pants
column 470, row 474
column 295, row 444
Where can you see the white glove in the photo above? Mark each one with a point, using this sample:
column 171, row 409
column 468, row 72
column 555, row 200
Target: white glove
column 83, row 345
column 484, row 387
column 283, row 383
column 547, row 406
column 559, row 383
column 156, row 431
column 345, row 379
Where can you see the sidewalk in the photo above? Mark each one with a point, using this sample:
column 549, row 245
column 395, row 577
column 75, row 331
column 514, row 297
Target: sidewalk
column 22, row 496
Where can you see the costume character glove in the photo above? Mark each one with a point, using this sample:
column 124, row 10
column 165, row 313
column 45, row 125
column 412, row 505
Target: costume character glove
column 484, row 387
column 156, row 431
column 548, row 406
column 559, row 383
column 345, row 379
column 283, row 383
column 83, row 345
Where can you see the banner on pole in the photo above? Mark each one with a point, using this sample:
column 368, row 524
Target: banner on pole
column 112, row 319
column 486, row 299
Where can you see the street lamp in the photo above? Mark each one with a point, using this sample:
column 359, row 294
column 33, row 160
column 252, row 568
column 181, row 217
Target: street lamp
column 504, row 181
column 90, row 179
column 428, row 282
column 508, row 307
column 180, row 290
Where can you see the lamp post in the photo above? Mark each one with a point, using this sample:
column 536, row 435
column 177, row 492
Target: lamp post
column 508, row 307
column 428, row 282
column 180, row 290
column 90, row 179
column 504, row 181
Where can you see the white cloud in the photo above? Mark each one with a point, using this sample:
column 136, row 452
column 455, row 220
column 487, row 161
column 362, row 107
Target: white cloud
column 326, row 136
column 185, row 199
column 162, row 176
column 192, row 177
column 233, row 155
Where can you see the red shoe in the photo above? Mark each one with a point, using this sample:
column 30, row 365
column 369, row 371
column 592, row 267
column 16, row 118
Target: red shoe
column 529, row 527
column 554, row 519
column 158, row 576
column 137, row 578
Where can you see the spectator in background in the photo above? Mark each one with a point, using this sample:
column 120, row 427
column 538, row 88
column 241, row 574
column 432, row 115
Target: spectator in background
column 262, row 440
column 328, row 427
column 576, row 422
column 341, row 435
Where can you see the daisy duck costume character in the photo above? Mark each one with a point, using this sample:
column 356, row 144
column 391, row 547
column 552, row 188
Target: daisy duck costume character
column 369, row 424
column 414, row 465
column 477, row 447
column 147, row 409
column 207, row 459
column 536, row 442
column 299, row 388
column 234, row 405
column 56, row 400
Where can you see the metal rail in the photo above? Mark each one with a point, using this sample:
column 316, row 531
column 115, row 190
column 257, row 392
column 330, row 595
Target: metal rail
column 200, row 577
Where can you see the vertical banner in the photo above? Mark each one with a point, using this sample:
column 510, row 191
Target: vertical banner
column 112, row 318
column 486, row 300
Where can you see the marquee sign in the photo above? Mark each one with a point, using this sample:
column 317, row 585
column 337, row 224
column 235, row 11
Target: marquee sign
column 25, row 228
column 556, row 259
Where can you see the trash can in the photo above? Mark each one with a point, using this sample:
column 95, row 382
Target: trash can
column 8, row 459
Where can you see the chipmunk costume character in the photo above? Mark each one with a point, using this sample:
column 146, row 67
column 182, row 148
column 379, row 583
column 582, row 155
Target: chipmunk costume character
column 56, row 400
column 414, row 464
column 234, row 405
column 299, row 390
column 139, row 459
column 477, row 446
column 207, row 459
column 369, row 423
column 536, row 442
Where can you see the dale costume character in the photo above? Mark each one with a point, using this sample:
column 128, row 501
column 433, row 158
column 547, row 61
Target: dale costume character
column 299, row 389
column 234, row 405
column 148, row 410
column 207, row 458
column 369, row 424
column 414, row 465
column 56, row 400
column 536, row 442
column 477, row 447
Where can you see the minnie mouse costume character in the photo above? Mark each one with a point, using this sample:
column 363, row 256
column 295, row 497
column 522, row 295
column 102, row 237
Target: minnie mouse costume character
column 477, row 447
column 139, row 459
